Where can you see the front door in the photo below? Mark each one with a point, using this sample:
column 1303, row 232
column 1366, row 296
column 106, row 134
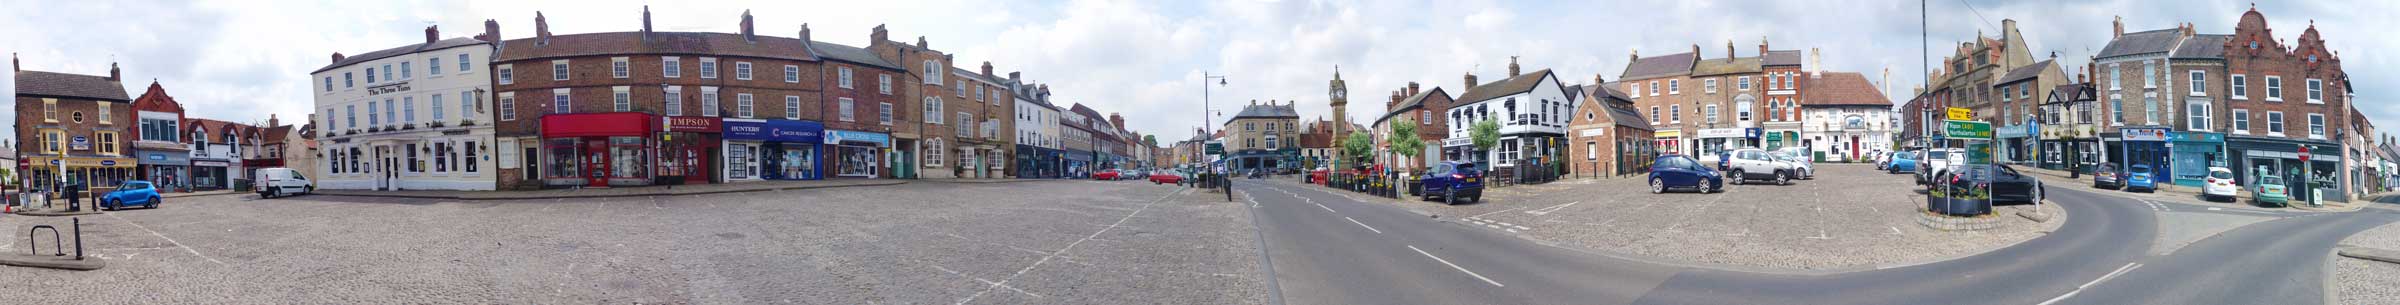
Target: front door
column 383, row 168
column 532, row 172
column 1853, row 147
column 595, row 162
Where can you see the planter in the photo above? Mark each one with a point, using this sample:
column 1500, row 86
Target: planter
column 1966, row 203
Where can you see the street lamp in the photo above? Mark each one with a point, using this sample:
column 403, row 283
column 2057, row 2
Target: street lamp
column 1205, row 119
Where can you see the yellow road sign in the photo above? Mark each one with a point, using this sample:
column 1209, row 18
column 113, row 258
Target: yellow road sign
column 1961, row 114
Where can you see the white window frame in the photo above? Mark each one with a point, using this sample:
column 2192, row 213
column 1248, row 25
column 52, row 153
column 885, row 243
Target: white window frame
column 791, row 107
column 438, row 116
column 1709, row 85
column 508, row 108
column 1674, row 86
column 2316, row 126
column 2241, row 86
column 2149, row 75
column 1675, row 114
column 933, row 109
column 466, row 64
column 561, row 101
column 741, row 70
column 1653, row 88
column 2241, row 121
column 670, row 66
column 933, row 73
column 2197, row 115
column 2275, row 123
column 2199, row 83
column 885, row 113
column 791, row 74
column 708, row 67
column 2316, row 91
column 884, row 82
column 849, row 110
column 2116, row 76
column 433, row 66
column 559, row 70
column 1743, row 84
column 842, row 75
column 744, row 105
column 708, row 101
column 620, row 67
column 673, row 99
column 508, row 75
column 1710, row 112
column 2274, row 88
column 622, row 98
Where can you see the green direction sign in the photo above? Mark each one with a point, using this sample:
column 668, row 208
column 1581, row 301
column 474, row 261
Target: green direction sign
column 1979, row 153
column 1216, row 148
column 1967, row 130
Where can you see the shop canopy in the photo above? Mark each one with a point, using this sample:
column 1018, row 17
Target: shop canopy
column 598, row 124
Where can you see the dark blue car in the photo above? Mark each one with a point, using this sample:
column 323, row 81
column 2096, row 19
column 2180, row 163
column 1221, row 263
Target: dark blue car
column 131, row 193
column 1680, row 172
column 1453, row 181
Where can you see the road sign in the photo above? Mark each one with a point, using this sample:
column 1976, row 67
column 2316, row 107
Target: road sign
column 1967, row 130
column 2304, row 153
column 1961, row 114
column 1979, row 153
column 1216, row 148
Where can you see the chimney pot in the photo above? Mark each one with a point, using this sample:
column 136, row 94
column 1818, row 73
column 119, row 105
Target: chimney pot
column 112, row 72
column 433, row 33
column 2120, row 27
column 879, row 35
column 491, row 31
column 337, row 57
column 1470, row 81
column 645, row 21
column 1412, row 89
column 1512, row 66
column 748, row 33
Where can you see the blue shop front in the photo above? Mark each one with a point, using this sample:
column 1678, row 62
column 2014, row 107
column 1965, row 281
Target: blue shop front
column 1037, row 162
column 2131, row 146
column 857, row 154
column 773, row 150
column 168, row 169
column 1078, row 164
column 2194, row 152
column 2017, row 144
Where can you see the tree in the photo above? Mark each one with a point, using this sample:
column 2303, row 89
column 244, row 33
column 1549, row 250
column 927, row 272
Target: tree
column 1357, row 145
column 1150, row 140
column 1404, row 139
column 1486, row 134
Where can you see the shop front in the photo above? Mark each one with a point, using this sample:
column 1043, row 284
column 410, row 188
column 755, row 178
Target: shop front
column 1035, row 162
column 1078, row 164
column 688, row 148
column 597, row 149
column 2141, row 146
column 1668, row 141
column 169, row 170
column 1460, row 149
column 93, row 173
column 2017, row 143
column 2068, row 147
column 2193, row 153
column 858, row 154
column 2253, row 156
column 773, row 150
column 210, row 174
column 1717, row 141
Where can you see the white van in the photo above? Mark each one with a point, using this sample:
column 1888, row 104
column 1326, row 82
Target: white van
column 281, row 181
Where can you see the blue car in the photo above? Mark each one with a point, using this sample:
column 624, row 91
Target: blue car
column 131, row 193
column 1679, row 172
column 1453, row 181
column 2139, row 177
column 1902, row 162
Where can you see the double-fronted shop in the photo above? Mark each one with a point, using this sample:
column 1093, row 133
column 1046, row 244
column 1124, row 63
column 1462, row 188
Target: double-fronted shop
column 776, row 149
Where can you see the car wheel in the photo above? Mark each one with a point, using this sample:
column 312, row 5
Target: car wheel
column 1781, row 179
column 1737, row 177
column 153, row 202
column 1656, row 187
column 1450, row 197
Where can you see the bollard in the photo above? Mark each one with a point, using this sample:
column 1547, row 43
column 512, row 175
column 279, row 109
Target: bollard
column 78, row 221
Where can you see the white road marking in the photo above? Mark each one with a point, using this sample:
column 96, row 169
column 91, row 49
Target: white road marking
column 169, row 240
column 1455, row 266
column 1327, row 209
column 1063, row 250
column 2079, row 289
column 2215, row 209
column 1362, row 224
column 1895, row 230
column 1494, row 212
column 1554, row 208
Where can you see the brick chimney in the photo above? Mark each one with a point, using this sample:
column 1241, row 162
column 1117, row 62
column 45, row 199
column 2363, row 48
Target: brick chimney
column 1728, row 50
column 1762, row 47
column 1394, row 102
column 804, row 36
column 878, row 35
column 1632, row 56
column 271, row 121
column 1412, row 89
column 1512, row 66
column 1695, row 50
column 2120, row 23
column 749, row 34
column 491, row 31
column 1118, row 120
column 987, row 69
column 1470, row 81
column 112, row 73
column 1012, row 77
column 14, row 65
column 645, row 22
column 922, row 45
column 541, row 29
column 433, row 33
column 337, row 57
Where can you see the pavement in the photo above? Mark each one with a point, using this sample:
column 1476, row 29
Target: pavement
column 2369, row 266
column 1043, row 242
column 694, row 189
column 2190, row 195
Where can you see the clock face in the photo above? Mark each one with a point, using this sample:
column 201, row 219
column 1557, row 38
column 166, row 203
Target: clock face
column 1337, row 92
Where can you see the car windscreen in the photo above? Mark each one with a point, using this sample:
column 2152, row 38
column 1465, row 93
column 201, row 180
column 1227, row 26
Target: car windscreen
column 2220, row 174
column 2140, row 170
column 2271, row 180
column 1937, row 155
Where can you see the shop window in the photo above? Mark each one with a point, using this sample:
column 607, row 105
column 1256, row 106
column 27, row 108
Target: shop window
column 561, row 162
column 414, row 165
column 441, row 157
column 471, row 164
column 626, row 157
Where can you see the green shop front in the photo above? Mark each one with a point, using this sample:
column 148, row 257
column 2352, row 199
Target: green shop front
column 2193, row 153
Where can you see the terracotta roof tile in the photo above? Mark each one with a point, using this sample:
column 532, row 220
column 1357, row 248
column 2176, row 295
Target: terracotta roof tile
column 1841, row 89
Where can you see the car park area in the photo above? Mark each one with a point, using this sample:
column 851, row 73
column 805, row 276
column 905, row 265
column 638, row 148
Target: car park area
column 1849, row 216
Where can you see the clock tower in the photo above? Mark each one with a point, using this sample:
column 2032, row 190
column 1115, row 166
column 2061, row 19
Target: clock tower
column 1340, row 93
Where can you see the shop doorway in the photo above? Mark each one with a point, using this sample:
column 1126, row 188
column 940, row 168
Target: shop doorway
column 595, row 162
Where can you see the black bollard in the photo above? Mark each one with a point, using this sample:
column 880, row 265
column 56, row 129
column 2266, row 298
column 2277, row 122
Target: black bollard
column 78, row 221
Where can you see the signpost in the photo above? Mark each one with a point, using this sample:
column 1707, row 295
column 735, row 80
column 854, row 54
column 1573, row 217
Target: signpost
column 1979, row 149
column 1961, row 114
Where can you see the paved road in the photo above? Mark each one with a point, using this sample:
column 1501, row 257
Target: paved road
column 1336, row 248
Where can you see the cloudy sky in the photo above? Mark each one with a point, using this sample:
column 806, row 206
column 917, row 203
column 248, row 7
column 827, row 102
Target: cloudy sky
column 242, row 60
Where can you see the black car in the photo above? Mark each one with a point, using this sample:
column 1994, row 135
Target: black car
column 2007, row 185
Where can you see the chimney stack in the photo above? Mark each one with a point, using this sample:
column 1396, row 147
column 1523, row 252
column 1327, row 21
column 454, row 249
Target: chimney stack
column 1392, row 101
column 748, row 33
column 922, row 45
column 1512, row 66
column 2120, row 23
column 1470, row 81
column 1412, row 89
column 645, row 22
column 879, row 35
column 271, row 121
column 491, row 31
column 804, row 36
column 1633, row 56
column 433, row 33
column 541, row 29
column 15, row 65
column 1816, row 66
column 112, row 73
column 1728, row 50
column 337, row 57
column 987, row 69
column 1762, row 46
column 1599, row 78
column 1012, row 77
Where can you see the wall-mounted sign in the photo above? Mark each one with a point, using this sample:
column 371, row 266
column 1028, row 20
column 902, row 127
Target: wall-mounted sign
column 694, row 124
column 80, row 143
column 2144, row 134
column 395, row 87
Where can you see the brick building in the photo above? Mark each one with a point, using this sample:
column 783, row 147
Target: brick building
column 646, row 107
column 1725, row 103
column 1645, row 81
column 1428, row 110
column 75, row 128
column 159, row 145
column 981, row 99
column 1608, row 137
column 861, row 89
column 2284, row 98
column 1263, row 136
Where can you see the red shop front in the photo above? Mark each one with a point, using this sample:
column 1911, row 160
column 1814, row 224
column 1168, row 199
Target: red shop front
column 687, row 147
column 598, row 149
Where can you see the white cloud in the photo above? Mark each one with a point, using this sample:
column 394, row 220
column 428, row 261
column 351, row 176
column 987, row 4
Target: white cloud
column 240, row 60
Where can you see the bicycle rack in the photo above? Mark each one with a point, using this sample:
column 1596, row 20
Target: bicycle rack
column 57, row 246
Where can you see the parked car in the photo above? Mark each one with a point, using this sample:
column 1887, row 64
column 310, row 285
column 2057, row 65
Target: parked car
column 1752, row 163
column 2220, row 185
column 2270, row 189
column 1901, row 161
column 1883, row 160
column 1106, row 175
column 280, row 181
column 1318, row 176
column 1801, row 168
column 131, row 193
column 2006, row 183
column 1680, row 172
column 2139, row 177
column 2106, row 176
column 1937, row 162
column 1165, row 177
column 1453, row 180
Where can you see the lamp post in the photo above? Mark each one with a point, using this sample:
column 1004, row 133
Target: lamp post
column 1205, row 119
